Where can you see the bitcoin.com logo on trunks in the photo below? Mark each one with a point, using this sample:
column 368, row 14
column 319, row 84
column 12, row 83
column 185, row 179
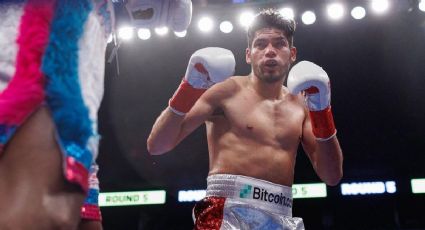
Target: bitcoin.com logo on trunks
column 256, row 193
column 246, row 191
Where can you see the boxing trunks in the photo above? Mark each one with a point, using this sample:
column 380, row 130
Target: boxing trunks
column 240, row 202
column 53, row 55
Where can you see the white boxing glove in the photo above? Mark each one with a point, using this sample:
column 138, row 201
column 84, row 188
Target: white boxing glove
column 206, row 67
column 314, row 81
column 306, row 75
column 175, row 14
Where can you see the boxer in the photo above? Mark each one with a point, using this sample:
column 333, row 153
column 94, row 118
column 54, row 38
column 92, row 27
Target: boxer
column 254, row 127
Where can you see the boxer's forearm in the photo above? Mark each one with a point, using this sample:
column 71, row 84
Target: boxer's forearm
column 206, row 67
column 329, row 160
column 165, row 132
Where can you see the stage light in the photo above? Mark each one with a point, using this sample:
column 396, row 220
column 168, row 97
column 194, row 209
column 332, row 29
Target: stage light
column 358, row 12
column 246, row 18
column 226, row 27
column 181, row 34
column 205, row 24
column 422, row 5
column 308, row 17
column 143, row 33
column 380, row 6
column 335, row 11
column 287, row 13
column 161, row 31
column 125, row 33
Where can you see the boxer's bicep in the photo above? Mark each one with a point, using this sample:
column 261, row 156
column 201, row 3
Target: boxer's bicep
column 203, row 109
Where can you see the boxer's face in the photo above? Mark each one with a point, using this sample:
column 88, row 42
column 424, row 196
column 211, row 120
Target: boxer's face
column 270, row 55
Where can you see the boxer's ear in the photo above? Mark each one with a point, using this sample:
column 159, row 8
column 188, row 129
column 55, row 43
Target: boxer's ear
column 293, row 51
column 248, row 55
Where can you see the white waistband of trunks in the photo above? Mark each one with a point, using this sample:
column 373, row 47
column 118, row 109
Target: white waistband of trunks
column 263, row 194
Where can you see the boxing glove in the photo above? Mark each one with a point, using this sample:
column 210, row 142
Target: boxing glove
column 206, row 67
column 314, row 81
column 175, row 14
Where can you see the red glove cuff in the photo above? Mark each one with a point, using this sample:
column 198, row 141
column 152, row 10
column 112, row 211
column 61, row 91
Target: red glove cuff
column 185, row 97
column 323, row 123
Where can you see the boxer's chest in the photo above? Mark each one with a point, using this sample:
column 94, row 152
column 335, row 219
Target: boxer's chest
column 278, row 120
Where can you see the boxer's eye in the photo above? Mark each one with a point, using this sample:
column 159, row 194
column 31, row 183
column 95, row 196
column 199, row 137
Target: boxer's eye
column 279, row 44
column 260, row 44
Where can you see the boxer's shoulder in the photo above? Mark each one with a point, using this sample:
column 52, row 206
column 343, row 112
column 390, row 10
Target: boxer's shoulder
column 223, row 92
column 236, row 83
column 228, row 87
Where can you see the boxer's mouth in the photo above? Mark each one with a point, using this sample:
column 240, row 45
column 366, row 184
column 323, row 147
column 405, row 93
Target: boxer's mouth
column 270, row 63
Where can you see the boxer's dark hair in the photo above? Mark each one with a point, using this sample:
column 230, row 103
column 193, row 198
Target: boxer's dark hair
column 271, row 18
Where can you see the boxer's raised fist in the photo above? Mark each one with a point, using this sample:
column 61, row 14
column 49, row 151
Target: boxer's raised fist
column 314, row 81
column 206, row 67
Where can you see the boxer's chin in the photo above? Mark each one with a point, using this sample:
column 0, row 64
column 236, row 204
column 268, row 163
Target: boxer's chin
column 271, row 76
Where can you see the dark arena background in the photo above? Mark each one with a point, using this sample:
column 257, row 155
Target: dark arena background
column 377, row 68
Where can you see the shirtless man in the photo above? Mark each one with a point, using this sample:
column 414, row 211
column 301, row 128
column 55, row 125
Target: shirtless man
column 254, row 127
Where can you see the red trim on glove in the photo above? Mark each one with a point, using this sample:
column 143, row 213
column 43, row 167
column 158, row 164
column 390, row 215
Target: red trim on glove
column 185, row 97
column 323, row 123
column 312, row 90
